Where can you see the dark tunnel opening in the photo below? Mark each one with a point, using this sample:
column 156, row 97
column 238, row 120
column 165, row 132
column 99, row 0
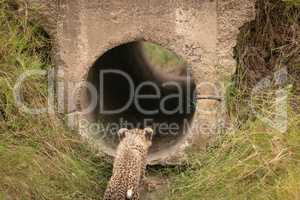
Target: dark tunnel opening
column 165, row 101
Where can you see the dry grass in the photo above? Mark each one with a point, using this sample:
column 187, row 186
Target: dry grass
column 40, row 158
column 256, row 161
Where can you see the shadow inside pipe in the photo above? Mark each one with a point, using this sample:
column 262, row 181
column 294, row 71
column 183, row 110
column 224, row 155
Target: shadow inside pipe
column 125, row 75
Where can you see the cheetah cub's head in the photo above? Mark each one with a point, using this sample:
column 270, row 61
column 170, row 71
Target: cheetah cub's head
column 137, row 136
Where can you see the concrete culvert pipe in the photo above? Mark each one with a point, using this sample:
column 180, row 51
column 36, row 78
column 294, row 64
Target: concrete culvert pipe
column 202, row 33
column 133, row 93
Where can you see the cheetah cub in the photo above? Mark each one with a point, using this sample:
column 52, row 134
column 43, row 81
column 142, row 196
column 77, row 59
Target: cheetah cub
column 129, row 164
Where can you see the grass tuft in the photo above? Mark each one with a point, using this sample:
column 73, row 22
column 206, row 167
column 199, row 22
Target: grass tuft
column 40, row 158
column 256, row 162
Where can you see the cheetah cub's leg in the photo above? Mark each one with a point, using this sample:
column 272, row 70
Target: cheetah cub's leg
column 143, row 179
column 132, row 195
column 149, row 136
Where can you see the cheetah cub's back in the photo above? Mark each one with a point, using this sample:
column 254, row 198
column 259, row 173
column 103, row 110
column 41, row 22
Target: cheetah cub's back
column 129, row 164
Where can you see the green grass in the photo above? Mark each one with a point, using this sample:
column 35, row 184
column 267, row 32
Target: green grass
column 40, row 158
column 256, row 162
column 164, row 59
column 293, row 2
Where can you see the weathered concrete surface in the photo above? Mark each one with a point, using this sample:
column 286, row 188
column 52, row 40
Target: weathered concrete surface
column 203, row 33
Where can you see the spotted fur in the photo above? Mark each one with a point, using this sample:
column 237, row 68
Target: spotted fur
column 129, row 165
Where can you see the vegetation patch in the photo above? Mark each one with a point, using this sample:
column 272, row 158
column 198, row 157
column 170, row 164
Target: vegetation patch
column 255, row 161
column 40, row 158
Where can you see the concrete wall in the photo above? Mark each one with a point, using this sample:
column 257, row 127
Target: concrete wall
column 202, row 32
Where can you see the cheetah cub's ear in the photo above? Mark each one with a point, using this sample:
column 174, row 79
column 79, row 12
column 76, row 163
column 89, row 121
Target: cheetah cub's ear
column 148, row 133
column 122, row 133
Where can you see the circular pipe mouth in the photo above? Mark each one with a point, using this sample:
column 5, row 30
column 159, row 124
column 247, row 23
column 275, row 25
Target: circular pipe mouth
column 134, row 91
